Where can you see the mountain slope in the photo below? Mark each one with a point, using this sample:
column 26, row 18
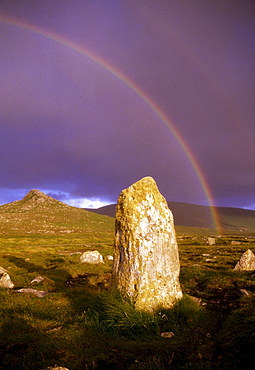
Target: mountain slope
column 33, row 200
column 237, row 218
column 191, row 215
column 40, row 214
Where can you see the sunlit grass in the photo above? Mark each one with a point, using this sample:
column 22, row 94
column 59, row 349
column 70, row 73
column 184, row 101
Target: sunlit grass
column 82, row 325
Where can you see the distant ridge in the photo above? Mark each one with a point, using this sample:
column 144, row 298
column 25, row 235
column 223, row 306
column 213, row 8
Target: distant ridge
column 48, row 215
column 191, row 215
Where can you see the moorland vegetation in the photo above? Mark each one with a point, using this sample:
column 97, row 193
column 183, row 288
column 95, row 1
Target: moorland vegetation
column 81, row 324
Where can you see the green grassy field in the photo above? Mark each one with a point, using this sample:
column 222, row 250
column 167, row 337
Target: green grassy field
column 81, row 325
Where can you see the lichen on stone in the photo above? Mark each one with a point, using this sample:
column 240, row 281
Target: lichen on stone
column 146, row 263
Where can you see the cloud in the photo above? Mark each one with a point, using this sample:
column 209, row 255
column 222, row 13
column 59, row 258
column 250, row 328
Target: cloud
column 87, row 203
column 69, row 125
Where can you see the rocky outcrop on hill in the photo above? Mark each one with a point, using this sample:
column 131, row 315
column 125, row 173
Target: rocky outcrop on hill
column 146, row 262
column 34, row 199
column 40, row 214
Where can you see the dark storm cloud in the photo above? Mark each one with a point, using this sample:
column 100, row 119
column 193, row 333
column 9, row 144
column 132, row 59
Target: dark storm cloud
column 72, row 128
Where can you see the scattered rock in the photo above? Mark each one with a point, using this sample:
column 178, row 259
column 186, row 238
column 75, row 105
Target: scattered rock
column 110, row 258
column 235, row 242
column 92, row 257
column 38, row 293
column 244, row 292
column 68, row 253
column 2, row 270
column 55, row 367
column 5, row 280
column 38, row 279
column 195, row 299
column 55, row 329
column 246, row 262
column 211, row 241
column 146, row 263
column 167, row 334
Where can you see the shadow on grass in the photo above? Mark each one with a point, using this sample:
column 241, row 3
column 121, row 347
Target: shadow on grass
column 22, row 346
column 22, row 263
column 134, row 337
column 100, row 331
column 40, row 332
column 202, row 339
column 52, row 271
column 79, row 291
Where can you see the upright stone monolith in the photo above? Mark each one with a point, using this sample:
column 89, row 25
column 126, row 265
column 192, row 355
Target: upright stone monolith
column 146, row 261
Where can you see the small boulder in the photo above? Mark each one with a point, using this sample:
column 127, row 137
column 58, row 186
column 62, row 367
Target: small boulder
column 167, row 334
column 5, row 281
column 56, row 368
column 92, row 257
column 244, row 292
column 211, row 241
column 38, row 279
column 235, row 242
column 2, row 270
column 246, row 262
column 37, row 293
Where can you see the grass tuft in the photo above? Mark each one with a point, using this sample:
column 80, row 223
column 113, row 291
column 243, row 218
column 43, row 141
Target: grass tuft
column 110, row 314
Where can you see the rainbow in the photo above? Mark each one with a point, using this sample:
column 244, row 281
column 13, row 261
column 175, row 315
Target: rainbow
column 136, row 89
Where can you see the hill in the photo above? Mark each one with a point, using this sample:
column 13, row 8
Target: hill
column 40, row 214
column 81, row 324
column 191, row 215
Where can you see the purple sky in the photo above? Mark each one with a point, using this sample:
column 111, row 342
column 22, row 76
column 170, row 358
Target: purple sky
column 72, row 129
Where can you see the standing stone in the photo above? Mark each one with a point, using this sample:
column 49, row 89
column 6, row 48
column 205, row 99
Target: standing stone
column 246, row 262
column 146, row 262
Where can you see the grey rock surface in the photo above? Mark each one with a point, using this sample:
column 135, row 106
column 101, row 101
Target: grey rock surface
column 146, row 260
